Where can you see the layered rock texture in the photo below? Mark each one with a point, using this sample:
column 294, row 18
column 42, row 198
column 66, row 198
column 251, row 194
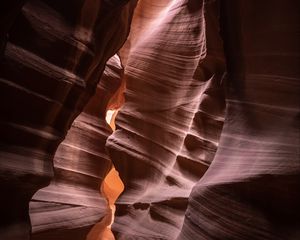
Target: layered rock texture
column 206, row 141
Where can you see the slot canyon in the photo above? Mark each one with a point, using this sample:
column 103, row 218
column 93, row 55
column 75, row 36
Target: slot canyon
column 150, row 119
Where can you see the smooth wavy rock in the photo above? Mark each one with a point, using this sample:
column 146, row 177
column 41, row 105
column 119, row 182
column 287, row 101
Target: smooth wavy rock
column 251, row 189
column 72, row 203
column 51, row 64
column 168, row 128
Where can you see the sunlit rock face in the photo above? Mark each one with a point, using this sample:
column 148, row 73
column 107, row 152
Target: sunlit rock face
column 52, row 56
column 73, row 203
column 168, row 128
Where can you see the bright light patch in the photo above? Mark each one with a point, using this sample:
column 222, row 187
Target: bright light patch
column 110, row 118
column 109, row 115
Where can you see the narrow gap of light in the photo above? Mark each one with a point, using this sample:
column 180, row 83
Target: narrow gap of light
column 111, row 188
column 112, row 185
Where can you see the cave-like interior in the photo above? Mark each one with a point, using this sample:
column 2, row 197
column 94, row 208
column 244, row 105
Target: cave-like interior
column 150, row 120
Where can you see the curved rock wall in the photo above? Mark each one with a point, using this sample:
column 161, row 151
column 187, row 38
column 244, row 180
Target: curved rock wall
column 168, row 129
column 51, row 64
column 72, row 203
